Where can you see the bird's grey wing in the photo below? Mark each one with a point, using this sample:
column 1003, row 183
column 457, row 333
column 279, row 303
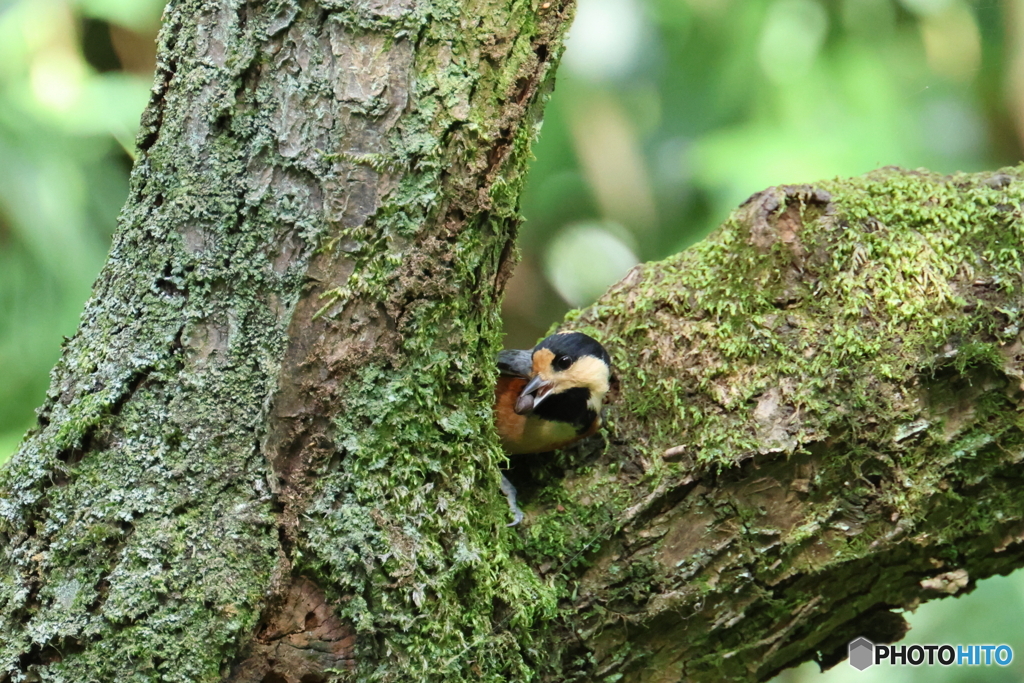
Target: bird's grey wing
column 515, row 362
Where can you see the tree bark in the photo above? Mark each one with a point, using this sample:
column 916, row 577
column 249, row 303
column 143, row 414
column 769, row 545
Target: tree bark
column 267, row 456
column 819, row 426
column 264, row 455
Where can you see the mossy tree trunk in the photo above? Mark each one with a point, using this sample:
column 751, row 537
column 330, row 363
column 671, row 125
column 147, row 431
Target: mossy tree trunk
column 266, row 454
column 263, row 454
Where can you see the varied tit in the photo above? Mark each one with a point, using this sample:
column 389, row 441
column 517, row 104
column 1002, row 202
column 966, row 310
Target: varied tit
column 549, row 397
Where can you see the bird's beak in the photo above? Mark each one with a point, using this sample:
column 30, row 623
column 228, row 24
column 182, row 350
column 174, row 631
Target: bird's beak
column 532, row 394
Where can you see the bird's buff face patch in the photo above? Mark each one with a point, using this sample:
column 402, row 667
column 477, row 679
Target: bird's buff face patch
column 587, row 372
column 542, row 360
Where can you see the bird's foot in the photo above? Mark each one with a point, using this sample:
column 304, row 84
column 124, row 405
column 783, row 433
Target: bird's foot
column 510, row 493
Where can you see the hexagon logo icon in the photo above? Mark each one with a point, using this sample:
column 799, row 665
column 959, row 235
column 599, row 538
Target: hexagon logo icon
column 862, row 653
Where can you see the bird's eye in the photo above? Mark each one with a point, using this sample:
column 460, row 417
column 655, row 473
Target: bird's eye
column 562, row 363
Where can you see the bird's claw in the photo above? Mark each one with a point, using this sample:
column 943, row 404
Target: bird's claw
column 510, row 493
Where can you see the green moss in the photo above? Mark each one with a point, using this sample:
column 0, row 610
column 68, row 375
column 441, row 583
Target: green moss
column 896, row 303
column 873, row 283
column 159, row 547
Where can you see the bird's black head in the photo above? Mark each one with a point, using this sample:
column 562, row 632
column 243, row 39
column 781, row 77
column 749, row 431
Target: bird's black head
column 561, row 362
column 569, row 347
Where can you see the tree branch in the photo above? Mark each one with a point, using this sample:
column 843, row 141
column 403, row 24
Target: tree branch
column 818, row 426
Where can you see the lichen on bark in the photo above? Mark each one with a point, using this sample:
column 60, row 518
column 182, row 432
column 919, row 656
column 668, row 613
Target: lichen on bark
column 818, row 426
column 275, row 398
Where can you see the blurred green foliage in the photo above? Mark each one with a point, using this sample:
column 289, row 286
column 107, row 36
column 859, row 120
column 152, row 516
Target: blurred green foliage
column 65, row 126
column 667, row 114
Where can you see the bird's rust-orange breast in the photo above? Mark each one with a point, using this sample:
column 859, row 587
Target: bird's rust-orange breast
column 510, row 425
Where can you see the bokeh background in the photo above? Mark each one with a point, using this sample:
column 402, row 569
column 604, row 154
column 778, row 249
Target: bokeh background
column 667, row 114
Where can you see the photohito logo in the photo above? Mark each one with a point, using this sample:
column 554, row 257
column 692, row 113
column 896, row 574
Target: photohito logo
column 864, row 653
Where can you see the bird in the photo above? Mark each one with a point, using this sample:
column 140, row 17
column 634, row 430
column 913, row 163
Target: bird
column 549, row 397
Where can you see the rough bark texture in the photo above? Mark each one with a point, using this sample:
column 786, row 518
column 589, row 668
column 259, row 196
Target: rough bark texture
column 819, row 425
column 261, row 457
column 266, row 456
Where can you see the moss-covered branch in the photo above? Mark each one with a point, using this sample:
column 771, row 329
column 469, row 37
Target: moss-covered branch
column 819, row 425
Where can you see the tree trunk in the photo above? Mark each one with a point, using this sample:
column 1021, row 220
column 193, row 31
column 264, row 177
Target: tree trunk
column 266, row 454
column 263, row 456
